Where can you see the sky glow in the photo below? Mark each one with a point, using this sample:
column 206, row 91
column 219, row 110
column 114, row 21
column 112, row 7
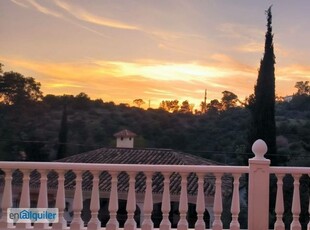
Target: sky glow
column 155, row 50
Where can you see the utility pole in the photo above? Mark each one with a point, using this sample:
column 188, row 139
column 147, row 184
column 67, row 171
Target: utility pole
column 204, row 109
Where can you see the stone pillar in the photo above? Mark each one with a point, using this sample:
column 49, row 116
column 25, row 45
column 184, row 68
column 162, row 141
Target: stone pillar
column 258, row 188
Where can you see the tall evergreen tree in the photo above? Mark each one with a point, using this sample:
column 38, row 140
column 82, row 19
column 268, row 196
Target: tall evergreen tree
column 263, row 103
column 62, row 136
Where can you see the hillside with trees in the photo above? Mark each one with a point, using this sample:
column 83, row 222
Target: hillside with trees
column 42, row 128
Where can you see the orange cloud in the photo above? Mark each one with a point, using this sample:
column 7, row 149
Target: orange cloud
column 122, row 82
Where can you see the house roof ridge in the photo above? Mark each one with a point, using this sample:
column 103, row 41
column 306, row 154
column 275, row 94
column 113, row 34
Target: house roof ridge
column 147, row 156
column 115, row 155
column 125, row 133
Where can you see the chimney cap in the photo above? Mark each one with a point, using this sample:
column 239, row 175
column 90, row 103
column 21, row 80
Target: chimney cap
column 125, row 133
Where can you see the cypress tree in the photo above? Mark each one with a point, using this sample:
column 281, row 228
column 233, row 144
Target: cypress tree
column 62, row 136
column 263, row 102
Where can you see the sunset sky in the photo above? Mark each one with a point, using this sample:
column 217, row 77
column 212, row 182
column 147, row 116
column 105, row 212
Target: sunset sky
column 120, row 50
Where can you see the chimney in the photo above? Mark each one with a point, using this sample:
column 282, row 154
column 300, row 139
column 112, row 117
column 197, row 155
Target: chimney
column 124, row 139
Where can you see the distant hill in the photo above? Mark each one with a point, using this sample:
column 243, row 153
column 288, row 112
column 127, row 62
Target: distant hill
column 31, row 131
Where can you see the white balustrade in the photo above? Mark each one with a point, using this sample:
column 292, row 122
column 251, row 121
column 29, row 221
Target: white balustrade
column 130, row 223
column 165, row 207
column 218, row 206
column 42, row 199
column 77, row 222
column 148, row 204
column 60, row 201
column 258, row 171
column 295, row 225
column 235, row 204
column 25, row 197
column 183, row 204
column 113, row 204
column 279, row 224
column 308, row 226
column 200, row 203
column 6, row 199
column 94, row 222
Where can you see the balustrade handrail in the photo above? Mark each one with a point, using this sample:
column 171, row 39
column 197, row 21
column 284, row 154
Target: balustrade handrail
column 123, row 167
column 144, row 168
column 289, row 170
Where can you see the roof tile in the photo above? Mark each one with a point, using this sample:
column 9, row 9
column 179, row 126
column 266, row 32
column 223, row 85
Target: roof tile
column 132, row 156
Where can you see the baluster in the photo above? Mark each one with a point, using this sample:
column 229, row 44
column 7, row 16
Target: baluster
column 308, row 227
column 218, row 208
column 60, row 202
column 130, row 223
column 295, row 225
column 42, row 199
column 200, row 203
column 235, row 206
column 183, row 205
column 25, row 198
column 148, row 204
column 113, row 204
column 94, row 222
column 279, row 225
column 165, row 207
column 6, row 199
column 77, row 222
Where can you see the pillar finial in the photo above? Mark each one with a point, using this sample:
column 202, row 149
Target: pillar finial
column 259, row 148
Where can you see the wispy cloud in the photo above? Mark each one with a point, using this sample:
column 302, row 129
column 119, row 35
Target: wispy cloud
column 156, row 34
column 44, row 9
column 19, row 3
column 251, row 47
column 240, row 31
column 166, row 71
column 160, row 92
column 89, row 17
column 294, row 72
column 38, row 7
column 230, row 66
column 90, row 21
column 173, row 36
column 64, row 85
column 78, row 13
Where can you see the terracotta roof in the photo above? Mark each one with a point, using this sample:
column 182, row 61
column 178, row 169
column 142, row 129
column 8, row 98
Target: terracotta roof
column 133, row 156
column 125, row 133
column 145, row 156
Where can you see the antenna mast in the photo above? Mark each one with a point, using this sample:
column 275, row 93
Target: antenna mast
column 204, row 109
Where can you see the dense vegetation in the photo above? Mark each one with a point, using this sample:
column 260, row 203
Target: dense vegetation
column 32, row 127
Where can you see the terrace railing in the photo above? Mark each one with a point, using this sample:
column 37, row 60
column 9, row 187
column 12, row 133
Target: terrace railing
column 257, row 176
